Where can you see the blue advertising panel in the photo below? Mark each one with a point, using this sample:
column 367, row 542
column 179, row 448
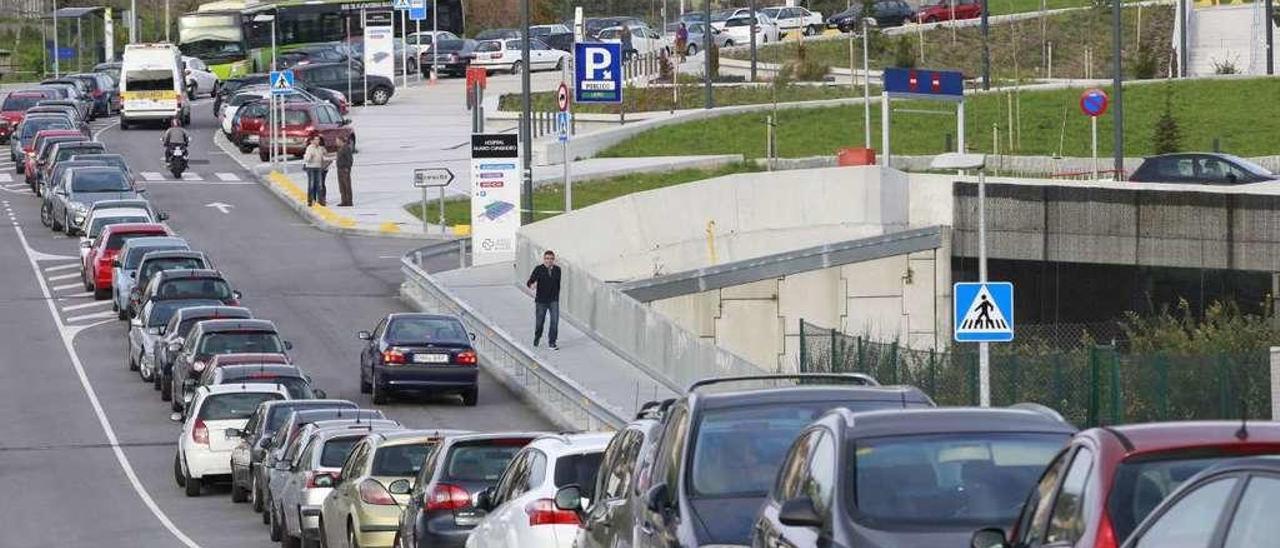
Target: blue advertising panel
column 924, row 84
column 983, row 312
column 598, row 71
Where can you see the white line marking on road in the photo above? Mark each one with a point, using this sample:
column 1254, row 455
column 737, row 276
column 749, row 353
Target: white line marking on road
column 61, row 267
column 93, row 316
column 64, row 276
column 65, row 287
column 152, row 176
column 6, row 178
column 227, row 177
column 192, row 176
column 113, row 123
column 86, row 294
column 82, row 306
column 68, row 334
column 167, row 182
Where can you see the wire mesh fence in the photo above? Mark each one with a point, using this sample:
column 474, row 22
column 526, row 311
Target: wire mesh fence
column 1089, row 384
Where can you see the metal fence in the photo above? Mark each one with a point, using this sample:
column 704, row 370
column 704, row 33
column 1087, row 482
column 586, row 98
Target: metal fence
column 1089, row 385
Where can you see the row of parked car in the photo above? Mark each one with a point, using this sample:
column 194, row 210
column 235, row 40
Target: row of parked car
column 313, row 110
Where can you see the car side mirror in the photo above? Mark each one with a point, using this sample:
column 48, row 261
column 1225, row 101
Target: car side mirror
column 323, row 480
column 288, row 345
column 163, row 216
column 799, row 512
column 85, row 243
column 655, row 500
column 364, row 335
column 115, row 263
column 473, row 336
column 345, row 122
column 174, row 346
column 264, row 443
column 320, row 394
column 399, row 487
column 133, row 275
column 991, row 537
column 136, row 322
column 484, row 500
column 569, row 497
column 237, row 294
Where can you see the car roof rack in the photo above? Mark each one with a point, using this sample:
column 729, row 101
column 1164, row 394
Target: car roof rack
column 857, row 378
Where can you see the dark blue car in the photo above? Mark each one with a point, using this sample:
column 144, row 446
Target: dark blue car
column 420, row 352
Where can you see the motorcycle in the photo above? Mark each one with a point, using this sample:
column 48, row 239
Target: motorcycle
column 178, row 160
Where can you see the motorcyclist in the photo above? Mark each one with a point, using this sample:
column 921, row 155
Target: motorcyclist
column 174, row 136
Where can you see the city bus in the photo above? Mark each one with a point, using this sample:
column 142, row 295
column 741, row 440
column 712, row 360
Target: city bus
column 226, row 37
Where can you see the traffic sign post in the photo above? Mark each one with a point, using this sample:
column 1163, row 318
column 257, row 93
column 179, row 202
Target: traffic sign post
column 910, row 83
column 597, row 72
column 428, row 177
column 983, row 313
column 281, row 85
column 563, row 119
column 1093, row 103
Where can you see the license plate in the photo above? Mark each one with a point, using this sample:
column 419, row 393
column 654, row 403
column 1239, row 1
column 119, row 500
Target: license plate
column 430, row 358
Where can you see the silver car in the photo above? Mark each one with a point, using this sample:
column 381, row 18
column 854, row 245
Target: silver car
column 124, row 269
column 148, row 328
column 80, row 188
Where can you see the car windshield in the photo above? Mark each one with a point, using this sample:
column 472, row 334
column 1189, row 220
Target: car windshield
column 31, row 127
column 235, row 405
column 771, row 12
column 135, row 255
column 1140, row 484
column 162, row 311
column 738, row 449
column 426, row 331
column 609, row 34
column 402, row 460
column 170, row 263
column 194, row 288
column 99, row 223
column 451, row 45
column 336, row 450
column 239, row 342
column 298, row 388
column 1251, row 167
column 970, row 479
column 483, row 461
column 100, row 181
column 20, row 102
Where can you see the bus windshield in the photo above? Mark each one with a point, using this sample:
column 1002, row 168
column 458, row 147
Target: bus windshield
column 211, row 37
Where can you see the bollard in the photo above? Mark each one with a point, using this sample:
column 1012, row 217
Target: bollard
column 947, row 143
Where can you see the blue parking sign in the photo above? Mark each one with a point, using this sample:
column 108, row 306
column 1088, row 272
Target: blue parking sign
column 598, row 73
column 983, row 312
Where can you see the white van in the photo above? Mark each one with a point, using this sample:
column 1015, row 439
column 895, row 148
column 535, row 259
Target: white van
column 151, row 85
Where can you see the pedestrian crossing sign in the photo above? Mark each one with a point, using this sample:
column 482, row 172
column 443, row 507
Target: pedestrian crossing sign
column 281, row 82
column 400, row 4
column 983, row 312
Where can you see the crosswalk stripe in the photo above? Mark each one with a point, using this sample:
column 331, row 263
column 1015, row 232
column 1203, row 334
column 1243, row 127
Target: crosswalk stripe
column 6, row 178
column 67, row 286
column 151, row 176
column 64, row 276
column 83, row 295
column 61, row 267
column 191, row 176
column 82, row 306
column 92, row 316
column 227, row 177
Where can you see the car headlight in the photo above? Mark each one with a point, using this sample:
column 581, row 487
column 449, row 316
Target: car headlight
column 79, row 207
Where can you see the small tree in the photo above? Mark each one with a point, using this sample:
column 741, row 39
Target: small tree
column 1167, row 137
column 1144, row 64
column 903, row 54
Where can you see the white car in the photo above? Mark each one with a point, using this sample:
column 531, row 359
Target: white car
column 420, row 42
column 719, row 17
column 522, row 510
column 199, row 78
column 206, row 441
column 739, row 28
column 644, row 40
column 495, row 55
column 795, row 18
column 99, row 219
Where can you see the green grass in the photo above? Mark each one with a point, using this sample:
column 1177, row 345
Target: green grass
column 691, row 96
column 548, row 201
column 1243, row 114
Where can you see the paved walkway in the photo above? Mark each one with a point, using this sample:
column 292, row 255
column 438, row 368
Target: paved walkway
column 490, row 291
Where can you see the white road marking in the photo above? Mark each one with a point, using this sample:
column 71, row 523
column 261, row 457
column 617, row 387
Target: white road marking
column 64, row 276
column 68, row 334
column 113, row 123
column 93, row 316
column 152, row 176
column 167, row 182
column 6, row 178
column 82, row 306
column 192, row 176
column 86, row 294
column 65, row 287
column 227, row 177
column 61, row 267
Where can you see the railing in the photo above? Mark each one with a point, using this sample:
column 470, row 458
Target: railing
column 559, row 398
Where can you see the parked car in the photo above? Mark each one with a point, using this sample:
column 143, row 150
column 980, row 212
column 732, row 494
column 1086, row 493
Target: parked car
column 332, row 96
column 77, row 191
column 156, row 262
column 232, row 86
column 256, row 94
column 421, row 42
column 304, row 121
column 134, row 205
column 248, row 121
column 207, row 438
column 694, row 45
column 55, row 179
column 439, row 512
column 644, row 41
column 61, row 151
column 338, row 77
column 306, row 55
column 795, row 19
column 22, row 139
column 591, row 26
column 179, row 326
column 1202, row 168
column 1229, row 505
column 111, row 68
column 75, row 91
column 410, row 351
column 124, row 271
column 247, row 456
column 101, row 88
column 556, row 35
column 522, row 510
column 887, row 13
column 497, row 34
column 718, row 17
column 948, row 10
column 454, row 56
column 721, row 449
column 199, row 78
column 914, row 477
column 1137, row 465
column 189, row 284
column 115, row 160
column 95, row 270
column 147, row 328
column 291, row 377
column 98, row 219
column 739, row 30
column 495, row 55
column 213, row 337
column 364, row 508
column 40, row 155
column 618, row 496
column 14, row 109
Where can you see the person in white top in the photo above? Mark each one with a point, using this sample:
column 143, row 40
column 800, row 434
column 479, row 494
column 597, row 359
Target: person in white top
column 314, row 163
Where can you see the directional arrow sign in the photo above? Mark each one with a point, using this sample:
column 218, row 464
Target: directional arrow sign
column 225, row 208
column 432, row 177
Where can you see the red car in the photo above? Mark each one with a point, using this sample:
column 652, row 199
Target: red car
column 303, row 121
column 964, row 9
column 15, row 108
column 31, row 161
column 1101, row 486
column 249, row 121
column 95, row 271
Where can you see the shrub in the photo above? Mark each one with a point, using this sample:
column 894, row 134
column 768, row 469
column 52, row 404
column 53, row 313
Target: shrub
column 1167, row 137
column 1225, row 66
column 803, row 68
column 1144, row 64
column 904, row 55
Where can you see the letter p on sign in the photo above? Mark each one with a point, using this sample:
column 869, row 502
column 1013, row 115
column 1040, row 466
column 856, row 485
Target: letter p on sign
column 598, row 59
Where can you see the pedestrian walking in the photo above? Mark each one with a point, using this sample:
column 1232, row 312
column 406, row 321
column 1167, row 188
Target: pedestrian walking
column 627, row 50
column 346, row 157
column 545, row 281
column 314, row 163
column 682, row 41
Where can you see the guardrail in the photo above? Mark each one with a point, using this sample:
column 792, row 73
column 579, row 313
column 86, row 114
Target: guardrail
column 558, row 397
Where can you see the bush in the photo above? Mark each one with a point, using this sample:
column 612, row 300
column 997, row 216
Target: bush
column 803, row 68
column 1225, row 66
column 1145, row 63
column 904, row 55
column 1167, row 137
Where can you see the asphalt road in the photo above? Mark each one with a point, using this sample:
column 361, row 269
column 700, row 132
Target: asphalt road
column 86, row 449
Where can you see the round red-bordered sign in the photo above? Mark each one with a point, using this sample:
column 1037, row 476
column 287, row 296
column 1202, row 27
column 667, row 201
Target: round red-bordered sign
column 562, row 97
column 1094, row 102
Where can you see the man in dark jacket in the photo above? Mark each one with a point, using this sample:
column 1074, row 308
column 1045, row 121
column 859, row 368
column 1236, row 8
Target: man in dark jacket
column 345, row 159
column 545, row 281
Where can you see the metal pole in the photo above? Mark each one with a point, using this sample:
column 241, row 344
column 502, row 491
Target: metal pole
column 273, row 42
column 884, row 128
column 424, row 207
column 348, row 21
column 709, row 100
column 417, row 39
column 364, row 70
column 404, row 51
column 443, row 230
column 1117, row 79
column 526, row 118
column 984, row 356
column 79, row 45
column 960, row 126
column 753, row 40
column 1271, row 48
column 56, row 54
column 133, row 19
column 1094, row 124
column 866, row 91
column 435, row 35
column 567, row 158
column 986, row 49
column 166, row 20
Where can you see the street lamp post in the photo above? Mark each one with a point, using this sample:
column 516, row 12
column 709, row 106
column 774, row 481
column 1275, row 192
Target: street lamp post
column 866, row 83
column 709, row 100
column 56, row 54
column 965, row 162
column 526, row 118
column 273, row 103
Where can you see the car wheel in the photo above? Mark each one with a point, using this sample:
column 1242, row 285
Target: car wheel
column 145, row 374
column 193, row 487
column 178, row 477
column 255, row 494
column 53, row 222
column 244, row 148
column 46, row 217
column 156, row 377
column 122, row 314
column 365, row 387
column 238, row 493
column 324, row 537
column 175, row 396
column 352, row 541
column 471, row 396
column 516, row 66
column 263, row 155
column 728, row 43
column 381, row 95
column 133, row 365
column 931, row 19
column 379, row 394
column 166, row 388
column 66, row 224
column 274, row 527
column 124, row 124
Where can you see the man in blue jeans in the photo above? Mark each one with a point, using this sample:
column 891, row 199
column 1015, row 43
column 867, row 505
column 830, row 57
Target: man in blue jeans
column 545, row 281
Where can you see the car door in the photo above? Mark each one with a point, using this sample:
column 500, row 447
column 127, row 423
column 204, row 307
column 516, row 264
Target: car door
column 292, row 504
column 659, row 529
column 1030, row 528
column 614, row 489
column 1194, row 519
column 968, row 9
column 491, row 531
column 337, row 506
column 373, row 350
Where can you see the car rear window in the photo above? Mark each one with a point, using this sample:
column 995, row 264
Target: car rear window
column 336, row 450
column 1140, row 484
column 162, row 311
column 135, row 255
column 100, row 181
column 235, row 405
column 67, row 152
column 239, row 342
column 116, row 241
column 31, row 127
column 297, row 387
column 279, row 414
column 20, row 102
column 297, row 117
column 481, row 461
column 425, row 331
column 170, row 263
column 402, row 460
column 100, row 223
column 195, row 288
column 488, row 46
column 580, row 470
column 450, row 45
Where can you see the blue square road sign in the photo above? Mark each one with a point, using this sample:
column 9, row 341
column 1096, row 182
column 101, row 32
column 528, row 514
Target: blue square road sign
column 281, row 82
column 983, row 312
column 598, row 71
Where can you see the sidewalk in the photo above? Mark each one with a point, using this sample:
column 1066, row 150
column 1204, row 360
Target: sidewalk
column 490, row 291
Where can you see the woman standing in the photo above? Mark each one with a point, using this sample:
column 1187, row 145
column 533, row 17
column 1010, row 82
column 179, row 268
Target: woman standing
column 313, row 162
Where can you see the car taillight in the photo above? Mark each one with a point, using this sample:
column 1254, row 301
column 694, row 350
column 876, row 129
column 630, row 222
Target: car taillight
column 544, row 512
column 372, row 492
column 200, row 433
column 392, row 355
column 466, row 357
column 1106, row 533
column 447, row 497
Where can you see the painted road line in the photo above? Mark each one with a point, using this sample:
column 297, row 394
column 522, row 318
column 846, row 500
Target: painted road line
column 93, row 316
column 152, row 176
column 61, row 267
column 227, row 177
column 64, row 277
column 167, row 182
column 85, row 295
column 67, row 286
column 82, row 306
column 6, row 178
column 192, row 176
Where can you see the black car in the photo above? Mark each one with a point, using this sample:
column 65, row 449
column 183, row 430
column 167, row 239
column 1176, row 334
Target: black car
column 293, row 379
column 720, row 449
column 454, row 55
column 887, row 13
column 100, row 88
column 1200, row 168
column 81, row 95
column 210, row 338
column 231, row 86
column 440, row 511
column 256, row 435
column 592, row 26
column 156, row 262
column 556, row 35
column 179, row 326
column 419, row 352
column 916, row 477
column 1229, row 505
column 338, row 76
column 310, row 54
